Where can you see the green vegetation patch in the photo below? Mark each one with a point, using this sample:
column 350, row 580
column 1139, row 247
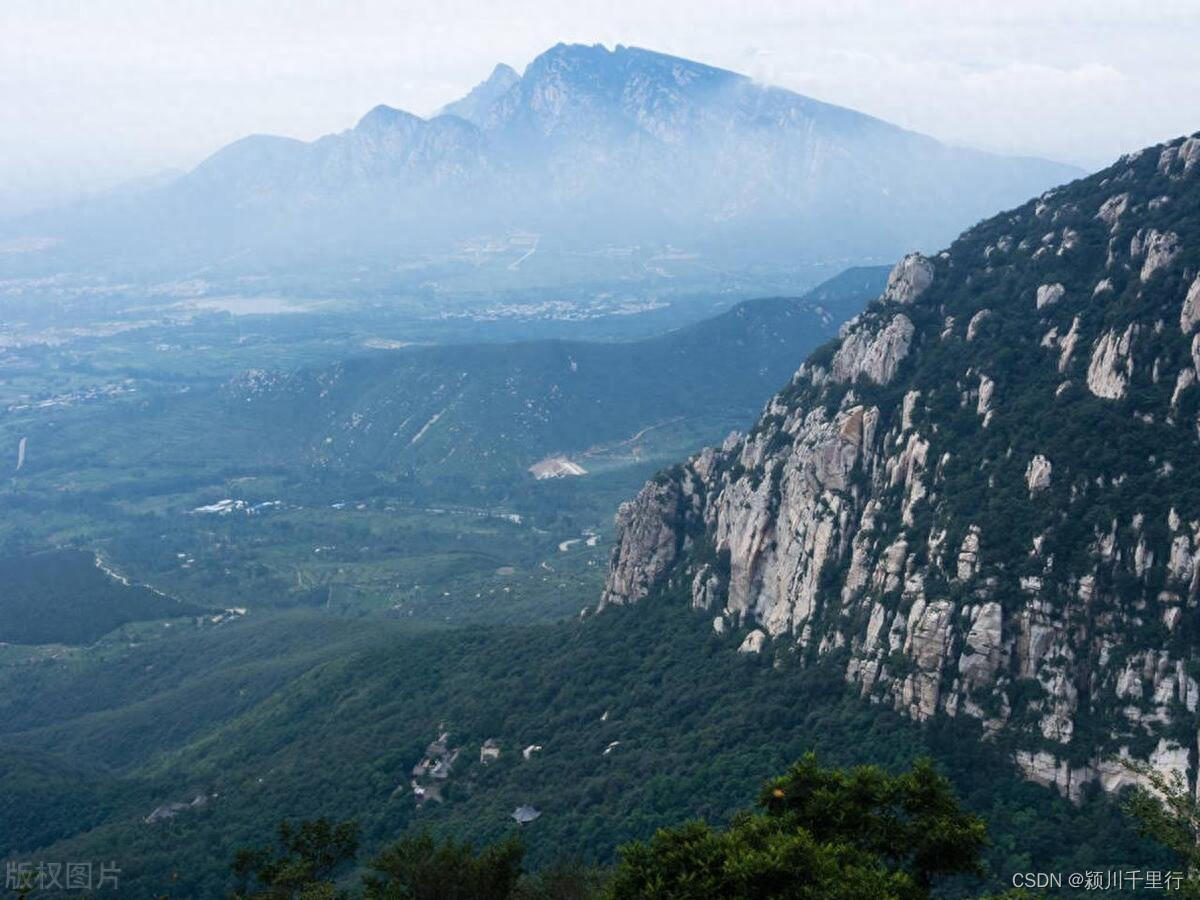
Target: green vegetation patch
column 66, row 597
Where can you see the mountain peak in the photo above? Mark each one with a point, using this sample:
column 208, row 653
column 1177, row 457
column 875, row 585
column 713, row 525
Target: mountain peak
column 384, row 118
column 475, row 105
column 502, row 72
column 596, row 144
column 621, row 61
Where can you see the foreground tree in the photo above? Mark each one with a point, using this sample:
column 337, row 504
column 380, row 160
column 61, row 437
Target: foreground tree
column 822, row 833
column 819, row 834
column 301, row 865
column 912, row 821
column 418, row 868
column 562, row 880
column 1167, row 812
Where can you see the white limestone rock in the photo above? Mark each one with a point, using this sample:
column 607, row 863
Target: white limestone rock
column 833, row 507
column 1067, row 345
column 873, row 355
column 1160, row 249
column 976, row 323
column 648, row 543
column 1189, row 154
column 987, row 389
column 706, row 588
column 906, row 410
column 1070, row 240
column 1112, row 365
column 878, row 620
column 908, row 279
column 1049, row 294
column 928, row 633
column 754, row 642
column 1189, row 315
column 1037, row 474
column 968, row 555
column 1184, row 380
column 985, row 642
column 1180, row 160
column 1045, row 769
column 1112, row 209
column 889, row 571
column 1181, row 563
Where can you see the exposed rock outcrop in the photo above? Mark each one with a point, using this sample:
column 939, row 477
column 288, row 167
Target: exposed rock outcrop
column 1112, row 209
column 908, row 279
column 1037, row 474
column 976, row 323
column 754, row 642
column 649, row 544
column 871, row 519
column 1048, row 294
column 1160, row 249
column 983, row 406
column 1189, row 315
column 1111, row 366
column 875, row 355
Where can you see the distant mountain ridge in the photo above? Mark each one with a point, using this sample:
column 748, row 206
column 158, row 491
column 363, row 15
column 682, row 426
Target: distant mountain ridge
column 484, row 410
column 589, row 147
column 485, row 413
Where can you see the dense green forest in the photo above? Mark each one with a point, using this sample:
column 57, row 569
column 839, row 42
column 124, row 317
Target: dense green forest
column 643, row 718
column 818, row 834
column 64, row 597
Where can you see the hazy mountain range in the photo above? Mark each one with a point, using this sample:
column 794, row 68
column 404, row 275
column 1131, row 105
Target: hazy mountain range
column 588, row 148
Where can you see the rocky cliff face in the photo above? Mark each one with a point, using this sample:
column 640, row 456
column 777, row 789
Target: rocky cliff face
column 982, row 500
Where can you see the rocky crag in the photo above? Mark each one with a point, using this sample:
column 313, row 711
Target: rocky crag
column 982, row 499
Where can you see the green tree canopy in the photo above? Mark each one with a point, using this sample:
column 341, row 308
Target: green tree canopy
column 819, row 834
column 419, row 868
column 302, row 864
column 1167, row 811
column 822, row 833
column 911, row 822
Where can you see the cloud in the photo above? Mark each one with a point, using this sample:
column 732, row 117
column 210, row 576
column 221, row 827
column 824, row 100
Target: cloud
column 1018, row 76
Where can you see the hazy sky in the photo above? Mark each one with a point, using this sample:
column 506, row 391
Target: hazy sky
column 99, row 90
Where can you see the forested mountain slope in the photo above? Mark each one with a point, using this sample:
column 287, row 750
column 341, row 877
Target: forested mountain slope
column 610, row 727
column 982, row 500
column 478, row 413
column 494, row 408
